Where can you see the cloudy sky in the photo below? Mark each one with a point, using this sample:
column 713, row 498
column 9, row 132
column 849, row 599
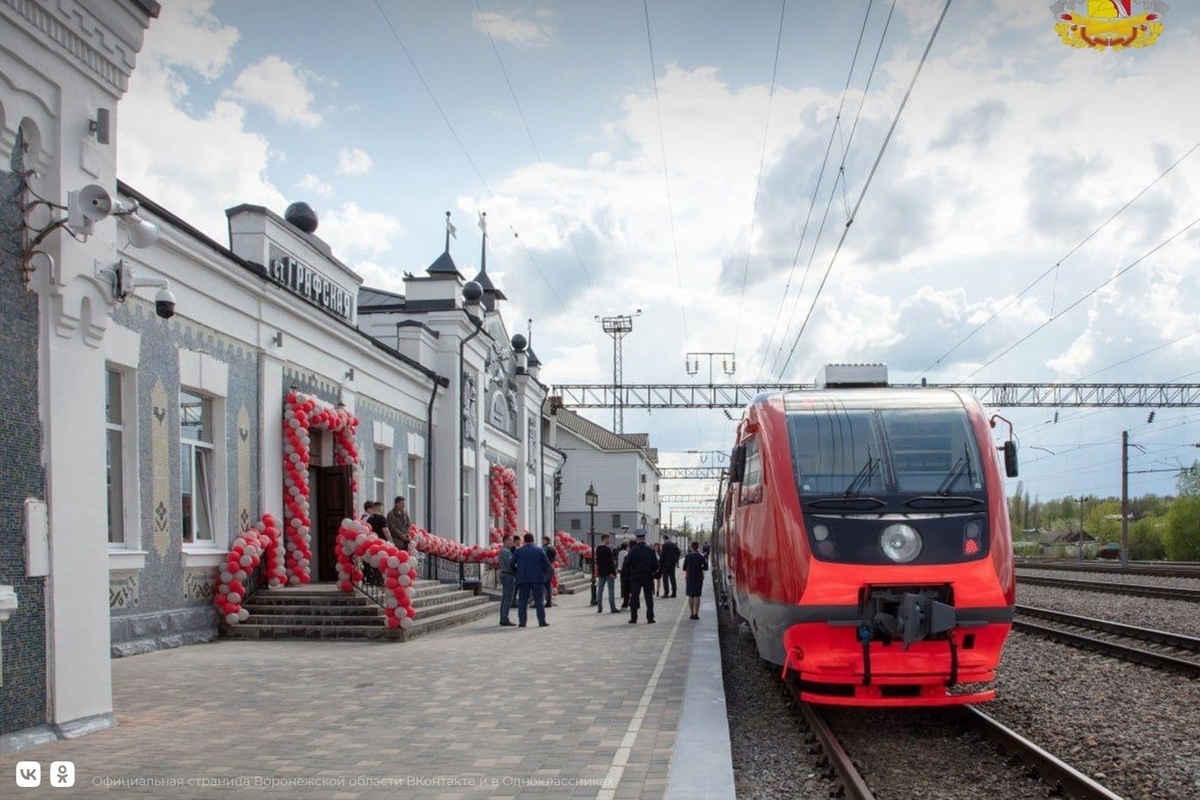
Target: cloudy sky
column 1032, row 216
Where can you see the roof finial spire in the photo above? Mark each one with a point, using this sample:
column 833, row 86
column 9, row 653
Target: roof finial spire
column 450, row 231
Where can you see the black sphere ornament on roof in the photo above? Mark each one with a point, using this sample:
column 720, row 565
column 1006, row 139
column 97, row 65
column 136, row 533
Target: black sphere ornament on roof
column 302, row 216
column 519, row 343
column 472, row 291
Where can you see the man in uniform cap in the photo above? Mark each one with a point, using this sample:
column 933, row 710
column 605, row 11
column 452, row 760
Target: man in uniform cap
column 642, row 565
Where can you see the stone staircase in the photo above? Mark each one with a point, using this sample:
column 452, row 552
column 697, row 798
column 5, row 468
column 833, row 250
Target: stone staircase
column 320, row 611
column 573, row 581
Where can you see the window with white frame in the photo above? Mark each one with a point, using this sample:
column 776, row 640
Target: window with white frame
column 379, row 477
column 114, row 422
column 412, row 492
column 196, row 463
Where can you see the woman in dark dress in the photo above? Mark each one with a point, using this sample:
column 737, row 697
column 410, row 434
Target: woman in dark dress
column 694, row 567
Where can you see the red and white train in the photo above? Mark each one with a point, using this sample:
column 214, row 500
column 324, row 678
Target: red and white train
column 864, row 537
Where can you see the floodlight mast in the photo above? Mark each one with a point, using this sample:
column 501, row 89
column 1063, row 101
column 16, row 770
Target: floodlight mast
column 617, row 327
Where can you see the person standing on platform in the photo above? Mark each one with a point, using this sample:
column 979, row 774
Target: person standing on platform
column 606, row 570
column 531, row 566
column 508, row 580
column 642, row 565
column 694, row 567
column 622, row 554
column 399, row 523
column 551, row 555
column 666, row 565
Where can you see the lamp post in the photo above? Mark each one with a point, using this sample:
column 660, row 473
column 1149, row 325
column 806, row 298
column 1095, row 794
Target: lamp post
column 1081, row 502
column 591, row 498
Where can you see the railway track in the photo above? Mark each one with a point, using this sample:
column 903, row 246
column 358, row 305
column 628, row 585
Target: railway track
column 1154, row 648
column 1062, row 779
column 1164, row 569
column 1139, row 590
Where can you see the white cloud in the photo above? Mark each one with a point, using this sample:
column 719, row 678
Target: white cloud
column 510, row 30
column 315, row 185
column 194, row 163
column 353, row 161
column 356, row 234
column 280, row 87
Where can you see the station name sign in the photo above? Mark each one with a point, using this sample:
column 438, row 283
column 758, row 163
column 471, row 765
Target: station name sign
column 296, row 276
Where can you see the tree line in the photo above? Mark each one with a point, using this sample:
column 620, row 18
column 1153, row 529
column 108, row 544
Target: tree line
column 1159, row 527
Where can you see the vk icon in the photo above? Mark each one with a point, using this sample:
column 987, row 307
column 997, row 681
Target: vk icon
column 29, row 774
column 62, row 773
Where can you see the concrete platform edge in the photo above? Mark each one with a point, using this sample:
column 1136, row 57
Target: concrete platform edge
column 702, row 761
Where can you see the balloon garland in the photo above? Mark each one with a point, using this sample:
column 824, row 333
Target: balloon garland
column 246, row 552
column 439, row 546
column 502, row 498
column 303, row 412
column 398, row 568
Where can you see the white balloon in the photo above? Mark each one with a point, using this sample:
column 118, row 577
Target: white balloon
column 405, row 622
column 234, row 597
column 232, row 619
column 243, row 615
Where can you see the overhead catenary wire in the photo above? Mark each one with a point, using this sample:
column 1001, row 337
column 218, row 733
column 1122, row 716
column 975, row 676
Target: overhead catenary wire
column 662, row 143
column 1085, row 296
column 840, row 180
column 762, row 159
column 867, row 185
column 462, row 146
column 525, row 124
column 812, row 203
column 1062, row 259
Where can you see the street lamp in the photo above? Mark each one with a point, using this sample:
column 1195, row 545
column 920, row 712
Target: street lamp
column 591, row 498
column 1082, row 500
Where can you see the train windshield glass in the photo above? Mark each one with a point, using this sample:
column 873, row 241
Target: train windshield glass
column 854, row 452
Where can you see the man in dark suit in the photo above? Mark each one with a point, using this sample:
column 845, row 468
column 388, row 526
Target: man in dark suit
column 666, row 565
column 532, row 567
column 606, row 570
column 642, row 564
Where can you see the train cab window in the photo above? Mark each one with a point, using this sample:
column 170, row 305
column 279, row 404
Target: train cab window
column 754, row 468
column 933, row 451
column 837, row 451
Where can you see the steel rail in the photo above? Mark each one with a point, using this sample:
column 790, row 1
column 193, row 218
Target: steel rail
column 1138, row 655
column 1165, row 569
column 853, row 783
column 1138, row 590
column 1060, row 775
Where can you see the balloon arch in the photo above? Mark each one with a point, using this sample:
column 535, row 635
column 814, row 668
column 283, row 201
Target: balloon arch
column 263, row 540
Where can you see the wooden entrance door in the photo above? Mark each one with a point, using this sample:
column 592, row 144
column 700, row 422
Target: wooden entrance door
column 335, row 502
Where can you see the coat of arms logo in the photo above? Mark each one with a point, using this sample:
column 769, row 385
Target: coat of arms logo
column 1101, row 24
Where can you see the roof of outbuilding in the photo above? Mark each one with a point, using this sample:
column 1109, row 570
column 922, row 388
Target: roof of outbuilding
column 602, row 437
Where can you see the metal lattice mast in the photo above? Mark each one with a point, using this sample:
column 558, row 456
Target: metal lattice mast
column 617, row 327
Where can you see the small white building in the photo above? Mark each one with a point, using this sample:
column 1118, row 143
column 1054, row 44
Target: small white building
column 622, row 468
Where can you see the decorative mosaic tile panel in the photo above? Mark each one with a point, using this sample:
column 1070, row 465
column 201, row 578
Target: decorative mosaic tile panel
column 198, row 584
column 122, row 591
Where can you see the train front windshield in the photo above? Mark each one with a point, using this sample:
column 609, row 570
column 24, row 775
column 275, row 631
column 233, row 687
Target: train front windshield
column 851, row 452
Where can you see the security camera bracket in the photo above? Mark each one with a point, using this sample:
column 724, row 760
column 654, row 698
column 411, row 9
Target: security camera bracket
column 122, row 280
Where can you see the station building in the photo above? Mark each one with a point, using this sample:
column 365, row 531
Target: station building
column 141, row 436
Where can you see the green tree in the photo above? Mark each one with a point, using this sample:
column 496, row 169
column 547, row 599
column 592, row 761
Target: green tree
column 1104, row 521
column 1188, row 481
column 1182, row 537
column 1146, row 539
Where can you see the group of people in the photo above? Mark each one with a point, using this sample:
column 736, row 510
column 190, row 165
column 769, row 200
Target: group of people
column 527, row 573
column 394, row 527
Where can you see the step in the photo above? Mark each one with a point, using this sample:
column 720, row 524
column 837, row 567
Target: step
column 247, row 631
column 367, row 609
column 422, row 626
column 458, row 604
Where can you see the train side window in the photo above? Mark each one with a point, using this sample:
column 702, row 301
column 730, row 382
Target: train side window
column 753, row 464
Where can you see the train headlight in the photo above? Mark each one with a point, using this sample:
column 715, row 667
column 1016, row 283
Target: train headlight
column 820, row 532
column 901, row 543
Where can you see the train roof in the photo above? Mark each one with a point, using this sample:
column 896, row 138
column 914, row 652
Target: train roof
column 867, row 398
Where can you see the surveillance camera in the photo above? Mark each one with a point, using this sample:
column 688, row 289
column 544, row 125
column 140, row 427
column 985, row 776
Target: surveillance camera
column 164, row 303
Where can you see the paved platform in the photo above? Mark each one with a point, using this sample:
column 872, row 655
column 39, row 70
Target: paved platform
column 588, row 707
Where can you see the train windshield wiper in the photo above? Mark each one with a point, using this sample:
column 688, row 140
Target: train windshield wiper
column 962, row 465
column 863, row 477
